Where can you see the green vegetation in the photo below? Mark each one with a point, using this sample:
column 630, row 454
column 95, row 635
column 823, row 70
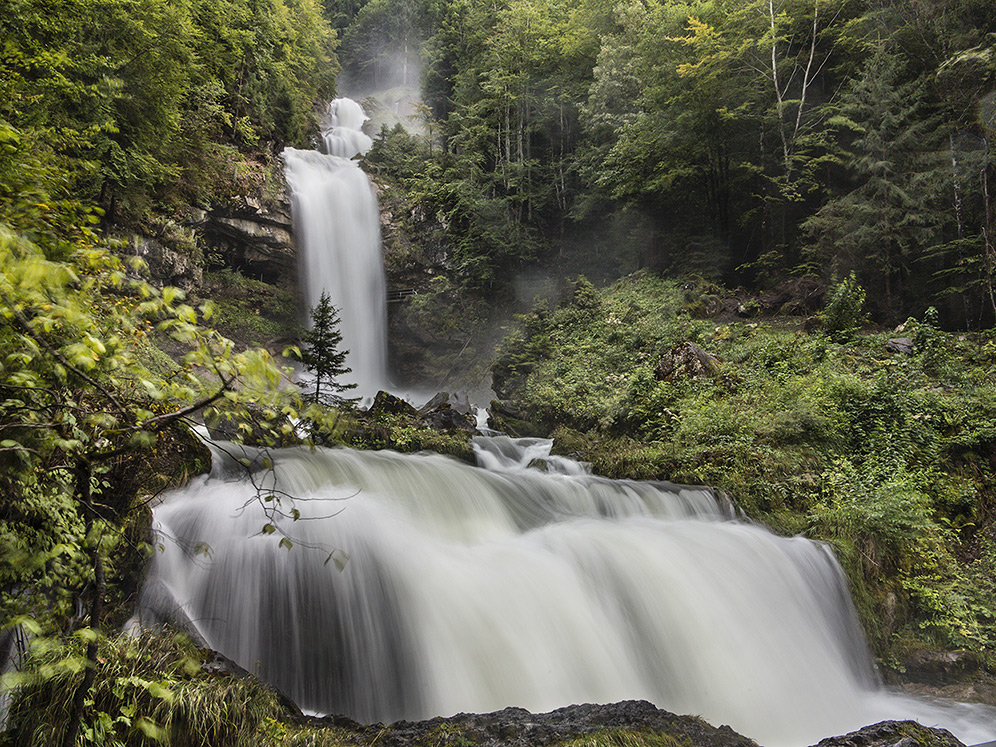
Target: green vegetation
column 250, row 312
column 890, row 457
column 120, row 114
column 148, row 690
column 144, row 107
column 626, row 738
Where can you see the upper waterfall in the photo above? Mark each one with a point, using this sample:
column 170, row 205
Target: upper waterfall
column 337, row 228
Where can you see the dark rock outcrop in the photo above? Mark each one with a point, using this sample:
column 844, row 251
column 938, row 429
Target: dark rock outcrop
column 167, row 266
column 517, row 727
column 448, row 412
column 894, row 734
column 903, row 345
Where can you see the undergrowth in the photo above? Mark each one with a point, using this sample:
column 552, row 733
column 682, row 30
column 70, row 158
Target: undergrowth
column 151, row 689
column 889, row 457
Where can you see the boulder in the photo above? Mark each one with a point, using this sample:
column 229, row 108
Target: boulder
column 448, row 412
column 386, row 403
column 894, row 734
column 903, row 345
column 686, row 359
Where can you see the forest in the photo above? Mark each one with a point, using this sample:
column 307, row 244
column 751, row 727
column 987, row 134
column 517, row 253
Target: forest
column 668, row 167
column 742, row 142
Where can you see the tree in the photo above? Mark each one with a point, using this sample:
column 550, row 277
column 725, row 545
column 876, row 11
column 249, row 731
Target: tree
column 888, row 219
column 85, row 402
column 322, row 355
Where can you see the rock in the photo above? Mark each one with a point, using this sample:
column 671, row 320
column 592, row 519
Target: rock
column 387, row 404
column 936, row 667
column 517, row 727
column 447, row 412
column 458, row 402
column 447, row 419
column 686, row 359
column 894, row 734
column 902, row 345
column 258, row 243
column 440, row 399
column 167, row 266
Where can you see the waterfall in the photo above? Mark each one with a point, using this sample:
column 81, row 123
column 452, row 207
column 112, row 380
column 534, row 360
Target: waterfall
column 337, row 229
column 419, row 586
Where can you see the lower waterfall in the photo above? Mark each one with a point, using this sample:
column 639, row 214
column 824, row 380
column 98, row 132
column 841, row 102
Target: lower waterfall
column 419, row 586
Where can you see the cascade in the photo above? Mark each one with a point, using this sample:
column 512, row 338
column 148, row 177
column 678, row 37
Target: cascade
column 337, row 229
column 460, row 588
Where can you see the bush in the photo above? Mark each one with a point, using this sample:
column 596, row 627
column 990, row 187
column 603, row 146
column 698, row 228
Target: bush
column 842, row 316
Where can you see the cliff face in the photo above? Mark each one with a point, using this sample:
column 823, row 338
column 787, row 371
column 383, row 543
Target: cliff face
column 255, row 239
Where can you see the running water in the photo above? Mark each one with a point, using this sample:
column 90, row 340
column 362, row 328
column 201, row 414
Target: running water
column 419, row 586
column 337, row 229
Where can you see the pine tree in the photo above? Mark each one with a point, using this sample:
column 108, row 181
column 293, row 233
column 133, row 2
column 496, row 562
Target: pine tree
column 321, row 354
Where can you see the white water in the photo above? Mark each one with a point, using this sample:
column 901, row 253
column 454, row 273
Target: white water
column 470, row 590
column 337, row 229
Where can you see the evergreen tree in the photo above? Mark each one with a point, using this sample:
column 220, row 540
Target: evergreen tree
column 322, row 356
column 889, row 218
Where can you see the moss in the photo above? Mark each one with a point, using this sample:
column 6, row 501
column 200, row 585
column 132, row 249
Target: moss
column 403, row 435
column 250, row 312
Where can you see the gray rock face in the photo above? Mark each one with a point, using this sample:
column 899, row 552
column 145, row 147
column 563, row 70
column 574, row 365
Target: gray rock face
column 903, row 345
column 259, row 242
column 167, row 266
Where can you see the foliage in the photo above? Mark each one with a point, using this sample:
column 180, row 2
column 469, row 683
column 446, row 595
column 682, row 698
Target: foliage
column 84, row 408
column 250, row 312
column 146, row 103
column 746, row 141
column 889, row 457
column 152, row 689
column 625, row 738
column 843, row 314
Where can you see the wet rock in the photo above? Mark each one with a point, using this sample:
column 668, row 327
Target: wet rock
column 438, row 401
column 517, row 727
column 386, row 403
column 894, row 734
column 938, row 667
column 686, row 359
column 447, row 412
